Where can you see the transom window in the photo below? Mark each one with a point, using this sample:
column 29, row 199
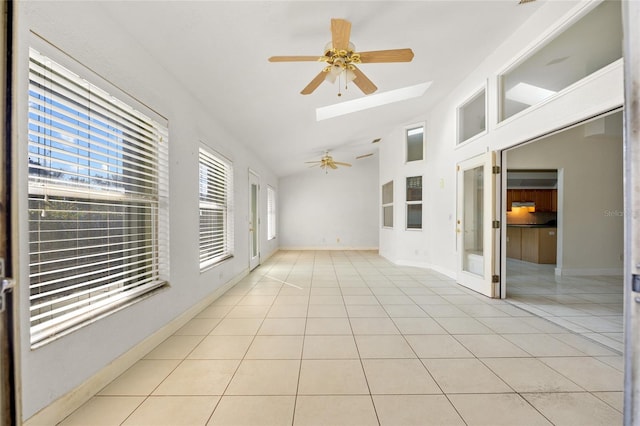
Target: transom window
column 415, row 143
column 97, row 172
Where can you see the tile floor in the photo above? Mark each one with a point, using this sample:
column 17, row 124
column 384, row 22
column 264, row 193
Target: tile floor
column 346, row 338
column 591, row 306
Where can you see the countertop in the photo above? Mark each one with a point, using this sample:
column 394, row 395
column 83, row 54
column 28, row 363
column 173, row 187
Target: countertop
column 527, row 225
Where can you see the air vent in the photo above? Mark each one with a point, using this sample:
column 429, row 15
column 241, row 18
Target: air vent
column 376, row 140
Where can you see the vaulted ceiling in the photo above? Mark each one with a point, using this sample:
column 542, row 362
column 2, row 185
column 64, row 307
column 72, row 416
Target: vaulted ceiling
column 218, row 50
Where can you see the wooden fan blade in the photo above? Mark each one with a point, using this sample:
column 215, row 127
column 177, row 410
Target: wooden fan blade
column 394, row 55
column 340, row 33
column 363, row 82
column 333, row 166
column 314, row 83
column 294, row 59
column 310, row 162
column 342, row 164
column 315, row 165
column 364, row 156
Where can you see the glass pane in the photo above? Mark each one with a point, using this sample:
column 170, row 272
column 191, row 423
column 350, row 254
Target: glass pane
column 415, row 139
column 254, row 220
column 472, row 117
column 473, row 208
column 387, row 193
column 414, row 216
column 387, row 216
column 587, row 46
column 414, row 188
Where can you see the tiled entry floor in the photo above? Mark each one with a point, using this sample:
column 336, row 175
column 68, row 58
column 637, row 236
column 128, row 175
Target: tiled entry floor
column 590, row 305
column 346, row 338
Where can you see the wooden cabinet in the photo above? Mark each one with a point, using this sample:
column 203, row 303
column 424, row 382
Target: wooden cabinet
column 546, row 200
column 536, row 245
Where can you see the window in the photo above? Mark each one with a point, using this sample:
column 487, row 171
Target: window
column 387, row 205
column 590, row 44
column 271, row 213
column 472, row 117
column 415, row 143
column 216, row 230
column 97, row 176
column 414, row 202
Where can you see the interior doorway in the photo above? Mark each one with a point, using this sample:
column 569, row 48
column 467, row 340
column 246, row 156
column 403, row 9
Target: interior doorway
column 564, row 257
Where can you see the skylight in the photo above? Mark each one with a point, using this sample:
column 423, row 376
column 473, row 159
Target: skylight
column 371, row 101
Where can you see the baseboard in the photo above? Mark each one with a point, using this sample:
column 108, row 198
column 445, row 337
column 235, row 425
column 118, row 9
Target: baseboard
column 328, row 248
column 68, row 403
column 585, row 272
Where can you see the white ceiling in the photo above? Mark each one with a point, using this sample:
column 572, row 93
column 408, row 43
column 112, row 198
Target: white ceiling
column 218, row 51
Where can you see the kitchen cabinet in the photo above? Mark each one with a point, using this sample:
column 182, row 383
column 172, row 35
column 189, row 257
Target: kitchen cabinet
column 546, row 200
column 532, row 244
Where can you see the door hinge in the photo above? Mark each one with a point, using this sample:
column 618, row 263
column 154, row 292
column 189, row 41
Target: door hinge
column 496, row 170
column 457, row 168
column 495, row 279
column 495, row 224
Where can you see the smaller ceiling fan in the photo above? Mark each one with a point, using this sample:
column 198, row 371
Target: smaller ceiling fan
column 327, row 162
column 341, row 58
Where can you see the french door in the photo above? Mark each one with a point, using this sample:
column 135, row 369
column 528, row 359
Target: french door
column 477, row 234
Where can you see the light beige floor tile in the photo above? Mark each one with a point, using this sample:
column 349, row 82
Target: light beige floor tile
column 442, row 311
column 543, row 325
column 542, row 345
column 335, row 299
column 173, row 411
column 103, row 410
column 394, row 299
column 249, row 311
column 265, row 377
column 198, row 377
column 482, row 310
column 373, row 326
column 227, row 300
column 360, row 300
column 581, row 409
column 614, row 399
column 463, row 325
column 214, row 311
column 175, row 347
column 591, row 374
column 616, row 362
column 351, row 410
column 328, row 326
column 275, row 347
column 327, row 311
column 490, row 345
column 237, row 326
column 254, row 300
column 291, row 300
column 253, row 411
column 330, row 347
column 497, row 410
column 587, row 346
column 437, row 346
column 265, row 290
column 416, row 410
column 325, row 291
column 530, row 375
column 332, row 377
column 398, row 376
column 508, row 325
column 429, row 299
column 142, row 378
column 221, row 347
column 366, row 311
column 418, row 326
column 198, row 327
column 405, row 311
column 288, row 311
column 388, row 346
column 282, row 327
column 466, row 375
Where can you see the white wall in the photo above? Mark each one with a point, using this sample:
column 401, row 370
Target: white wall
column 335, row 210
column 595, row 94
column 592, row 234
column 82, row 31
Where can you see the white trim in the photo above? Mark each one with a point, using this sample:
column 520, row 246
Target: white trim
column 328, row 248
column 586, row 272
column 68, row 403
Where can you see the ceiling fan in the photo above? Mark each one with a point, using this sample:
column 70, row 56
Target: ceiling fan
column 327, row 162
column 341, row 58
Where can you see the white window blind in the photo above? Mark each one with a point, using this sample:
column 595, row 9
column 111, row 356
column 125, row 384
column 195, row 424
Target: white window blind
column 271, row 213
column 97, row 175
column 216, row 230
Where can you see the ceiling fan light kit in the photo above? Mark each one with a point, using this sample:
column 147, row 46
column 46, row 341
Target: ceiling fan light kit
column 341, row 58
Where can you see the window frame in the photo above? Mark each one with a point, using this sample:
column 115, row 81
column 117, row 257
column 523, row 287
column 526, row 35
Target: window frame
column 98, row 166
column 413, row 203
column 459, row 116
column 271, row 213
column 387, row 205
column 408, row 129
column 218, row 201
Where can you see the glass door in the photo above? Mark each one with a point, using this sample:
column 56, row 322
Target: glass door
column 477, row 236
